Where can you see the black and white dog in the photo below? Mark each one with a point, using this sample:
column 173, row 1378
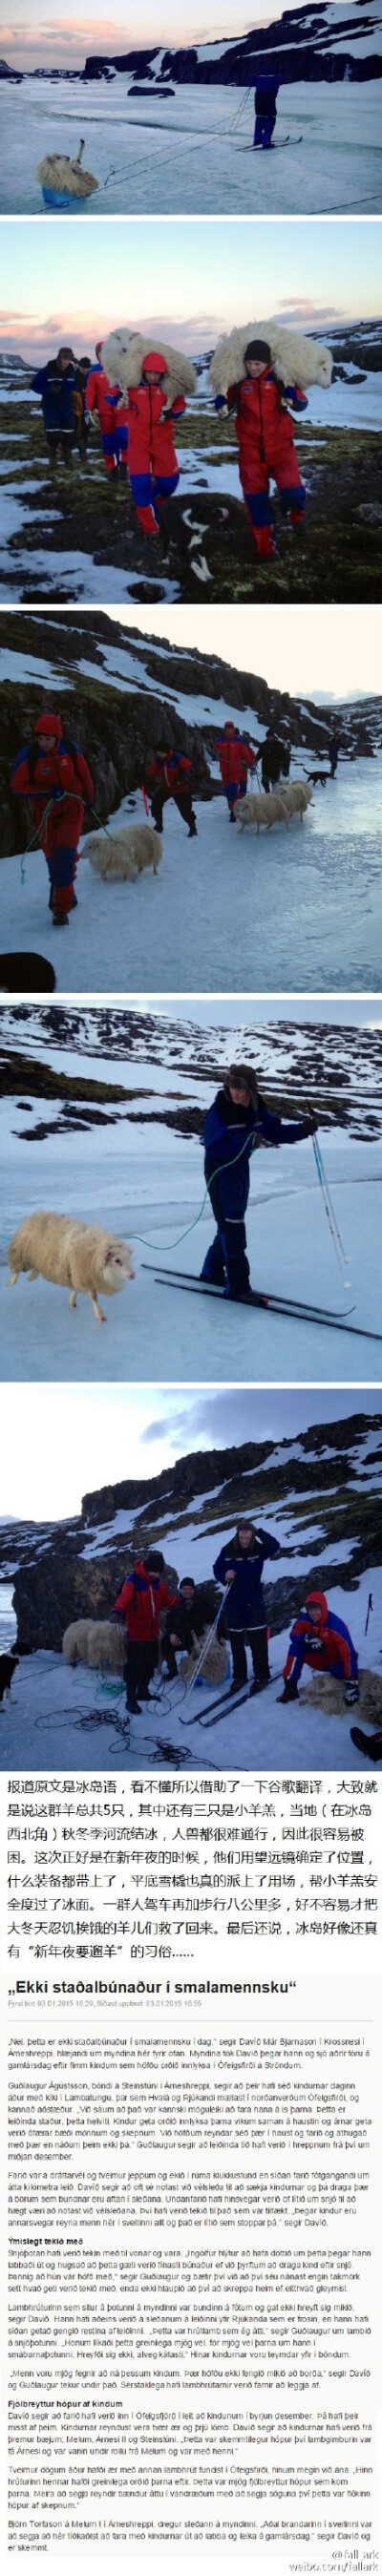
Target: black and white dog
column 187, row 524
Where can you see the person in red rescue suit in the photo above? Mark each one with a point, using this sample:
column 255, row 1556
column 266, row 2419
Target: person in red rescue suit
column 235, row 758
column 264, row 432
column 52, row 772
column 170, row 774
column 320, row 1638
column 112, row 414
column 140, row 1602
column 153, row 465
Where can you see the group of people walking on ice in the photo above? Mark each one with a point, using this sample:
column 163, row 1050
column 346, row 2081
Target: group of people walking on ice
column 139, row 393
column 51, row 773
column 160, row 1623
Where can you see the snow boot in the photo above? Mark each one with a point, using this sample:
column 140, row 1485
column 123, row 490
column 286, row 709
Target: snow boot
column 290, row 1691
column 370, row 1744
column 193, row 831
column 232, row 816
column 60, row 921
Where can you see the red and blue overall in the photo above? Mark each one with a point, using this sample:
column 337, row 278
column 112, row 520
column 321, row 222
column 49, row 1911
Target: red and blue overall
column 153, row 465
column 58, row 778
column 235, row 759
column 325, row 1645
column 140, row 1602
column 264, row 433
column 112, row 415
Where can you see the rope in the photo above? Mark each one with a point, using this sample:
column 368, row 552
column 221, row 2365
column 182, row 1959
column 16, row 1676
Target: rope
column 190, row 1229
column 341, row 1255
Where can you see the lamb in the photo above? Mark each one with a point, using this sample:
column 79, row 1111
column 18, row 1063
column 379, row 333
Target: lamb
column 297, row 795
column 262, row 809
column 328, row 1694
column 123, row 355
column 101, row 1643
column 214, row 1666
column 71, row 1255
column 126, row 852
column 65, row 176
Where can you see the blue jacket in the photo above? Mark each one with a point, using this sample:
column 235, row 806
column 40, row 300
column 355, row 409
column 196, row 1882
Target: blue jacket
column 267, row 85
column 57, row 394
column 245, row 1605
column 230, row 1135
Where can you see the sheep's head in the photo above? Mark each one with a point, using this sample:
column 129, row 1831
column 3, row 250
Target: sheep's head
column 118, row 1266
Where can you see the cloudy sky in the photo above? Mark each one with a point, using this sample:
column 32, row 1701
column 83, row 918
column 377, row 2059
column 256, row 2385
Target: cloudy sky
column 301, row 649
column 63, row 1441
column 67, row 283
column 38, row 36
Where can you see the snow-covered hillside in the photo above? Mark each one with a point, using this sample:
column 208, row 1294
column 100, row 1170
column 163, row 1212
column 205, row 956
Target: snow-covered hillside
column 317, row 1494
column 136, row 1166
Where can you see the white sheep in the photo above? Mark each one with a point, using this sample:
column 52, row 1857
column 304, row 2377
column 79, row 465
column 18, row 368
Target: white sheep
column 328, row 1693
column 296, row 359
column 101, row 1643
column 261, row 809
column 297, row 796
column 126, row 852
column 71, row 1255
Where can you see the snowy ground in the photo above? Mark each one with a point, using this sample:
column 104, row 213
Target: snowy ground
column 191, row 154
column 276, row 912
column 58, row 1717
column 143, row 1181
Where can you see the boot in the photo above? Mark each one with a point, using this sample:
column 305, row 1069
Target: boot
column 193, row 828
column 232, row 815
column 60, row 921
column 370, row 1744
column 290, row 1691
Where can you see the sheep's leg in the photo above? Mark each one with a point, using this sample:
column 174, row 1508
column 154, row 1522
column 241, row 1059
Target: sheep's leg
column 97, row 1310
column 32, row 1274
column 12, row 1282
column 73, row 1297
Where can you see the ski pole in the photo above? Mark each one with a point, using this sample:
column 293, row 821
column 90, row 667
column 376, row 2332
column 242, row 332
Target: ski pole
column 369, row 1608
column 328, row 1198
column 207, row 1642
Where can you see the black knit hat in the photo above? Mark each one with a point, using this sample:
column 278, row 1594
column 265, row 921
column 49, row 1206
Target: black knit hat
column 153, row 1562
column 258, row 349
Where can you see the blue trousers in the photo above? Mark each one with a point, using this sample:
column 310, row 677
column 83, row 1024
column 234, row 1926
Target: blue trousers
column 264, row 130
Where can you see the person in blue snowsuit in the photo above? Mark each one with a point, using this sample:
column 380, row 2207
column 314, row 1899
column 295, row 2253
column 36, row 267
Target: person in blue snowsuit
column 241, row 1564
column 57, row 383
column 267, row 86
column 238, row 1121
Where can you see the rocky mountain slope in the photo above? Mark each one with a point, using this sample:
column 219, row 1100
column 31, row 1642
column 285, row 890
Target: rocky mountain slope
column 169, row 1068
column 311, row 43
column 120, row 693
column 320, row 1493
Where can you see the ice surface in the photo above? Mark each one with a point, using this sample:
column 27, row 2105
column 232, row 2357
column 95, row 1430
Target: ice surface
column 192, row 153
column 281, row 912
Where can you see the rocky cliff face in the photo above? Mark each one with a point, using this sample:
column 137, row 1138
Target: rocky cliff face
column 311, row 44
column 325, row 1477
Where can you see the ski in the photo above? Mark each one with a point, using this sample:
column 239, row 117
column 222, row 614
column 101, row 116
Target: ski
column 272, row 147
column 220, row 1708
column 273, row 1304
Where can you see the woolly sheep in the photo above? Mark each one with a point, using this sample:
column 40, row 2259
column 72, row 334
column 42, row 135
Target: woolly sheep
column 123, row 356
column 262, row 809
column 214, row 1667
column 58, row 172
column 297, row 795
column 71, row 1255
column 126, row 852
column 98, row 1642
column 296, row 360
column 328, row 1694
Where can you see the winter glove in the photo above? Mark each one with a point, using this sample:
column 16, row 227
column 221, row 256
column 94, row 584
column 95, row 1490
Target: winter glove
column 351, row 1694
column 220, row 403
column 311, row 1124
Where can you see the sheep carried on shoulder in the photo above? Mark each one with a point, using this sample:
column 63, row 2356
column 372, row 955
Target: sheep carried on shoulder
column 295, row 359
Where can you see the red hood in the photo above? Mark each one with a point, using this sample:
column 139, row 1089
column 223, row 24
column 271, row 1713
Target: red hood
column 49, row 724
column 154, row 358
column 317, row 1600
